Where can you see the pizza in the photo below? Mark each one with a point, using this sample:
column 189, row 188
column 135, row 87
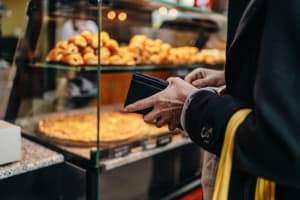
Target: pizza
column 80, row 129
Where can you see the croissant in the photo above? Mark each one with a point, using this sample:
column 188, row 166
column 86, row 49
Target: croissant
column 104, row 36
column 90, row 59
column 78, row 40
column 87, row 49
column 138, row 39
column 73, row 59
column 112, row 45
column 62, row 44
column 55, row 55
column 86, row 34
column 72, row 48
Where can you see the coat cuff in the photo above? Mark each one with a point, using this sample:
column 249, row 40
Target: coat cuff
column 205, row 115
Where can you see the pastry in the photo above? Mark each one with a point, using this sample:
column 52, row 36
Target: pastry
column 87, row 35
column 87, row 49
column 62, row 44
column 55, row 55
column 74, row 59
column 90, row 59
column 72, row 48
column 80, row 129
column 78, row 40
column 112, row 45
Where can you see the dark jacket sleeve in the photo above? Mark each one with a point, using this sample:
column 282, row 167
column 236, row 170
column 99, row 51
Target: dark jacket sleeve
column 267, row 143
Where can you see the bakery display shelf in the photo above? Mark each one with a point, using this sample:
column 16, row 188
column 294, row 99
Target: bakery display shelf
column 124, row 68
column 111, row 156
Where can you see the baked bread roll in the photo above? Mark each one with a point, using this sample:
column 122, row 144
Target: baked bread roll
column 55, row 55
column 114, row 60
column 87, row 35
column 138, row 39
column 104, row 61
column 87, row 49
column 128, row 60
column 104, row 52
column 90, row 59
column 155, row 59
column 74, row 59
column 78, row 40
column 104, row 36
column 138, row 59
column 136, row 48
column 165, row 47
column 62, row 44
column 72, row 48
column 112, row 45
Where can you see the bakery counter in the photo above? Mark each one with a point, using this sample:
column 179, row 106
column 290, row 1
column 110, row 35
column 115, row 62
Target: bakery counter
column 34, row 157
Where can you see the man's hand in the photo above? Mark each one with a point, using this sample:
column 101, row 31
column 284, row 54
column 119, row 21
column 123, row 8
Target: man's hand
column 167, row 104
column 206, row 78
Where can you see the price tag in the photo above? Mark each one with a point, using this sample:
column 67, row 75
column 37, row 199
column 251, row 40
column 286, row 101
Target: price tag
column 147, row 144
column 164, row 140
column 121, row 151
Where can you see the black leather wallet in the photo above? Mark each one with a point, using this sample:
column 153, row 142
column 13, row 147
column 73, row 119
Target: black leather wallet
column 143, row 86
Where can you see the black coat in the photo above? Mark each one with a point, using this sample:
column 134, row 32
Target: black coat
column 263, row 73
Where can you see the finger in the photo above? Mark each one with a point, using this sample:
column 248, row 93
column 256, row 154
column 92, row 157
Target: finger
column 190, row 78
column 152, row 116
column 161, row 121
column 171, row 127
column 140, row 105
column 194, row 75
column 123, row 110
column 200, row 83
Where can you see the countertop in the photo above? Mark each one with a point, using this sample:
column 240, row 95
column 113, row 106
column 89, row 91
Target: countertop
column 34, row 156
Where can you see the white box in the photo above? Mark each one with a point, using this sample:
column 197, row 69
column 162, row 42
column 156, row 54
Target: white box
column 10, row 143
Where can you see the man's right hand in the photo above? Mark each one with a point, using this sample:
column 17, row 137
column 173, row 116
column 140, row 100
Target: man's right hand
column 202, row 77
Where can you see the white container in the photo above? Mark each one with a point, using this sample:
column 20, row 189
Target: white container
column 10, row 143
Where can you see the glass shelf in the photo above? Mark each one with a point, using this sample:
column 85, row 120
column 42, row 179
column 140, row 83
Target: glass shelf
column 124, row 68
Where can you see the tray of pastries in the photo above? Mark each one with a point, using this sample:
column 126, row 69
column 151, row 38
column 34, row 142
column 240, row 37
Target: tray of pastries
column 82, row 50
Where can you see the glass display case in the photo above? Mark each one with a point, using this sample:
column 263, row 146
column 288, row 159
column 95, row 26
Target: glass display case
column 73, row 67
